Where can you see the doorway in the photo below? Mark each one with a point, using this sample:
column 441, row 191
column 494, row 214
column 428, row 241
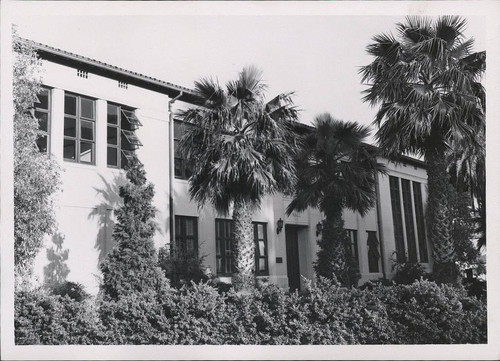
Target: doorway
column 292, row 257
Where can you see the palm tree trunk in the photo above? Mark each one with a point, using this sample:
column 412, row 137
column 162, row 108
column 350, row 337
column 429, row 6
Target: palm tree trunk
column 438, row 218
column 334, row 257
column 244, row 255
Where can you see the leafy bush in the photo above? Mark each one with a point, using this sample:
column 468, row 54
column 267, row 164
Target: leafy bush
column 182, row 267
column 44, row 319
column 420, row 313
column 73, row 290
column 425, row 312
column 407, row 272
column 134, row 319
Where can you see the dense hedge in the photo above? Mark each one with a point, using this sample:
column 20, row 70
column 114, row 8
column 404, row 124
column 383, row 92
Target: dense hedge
column 419, row 313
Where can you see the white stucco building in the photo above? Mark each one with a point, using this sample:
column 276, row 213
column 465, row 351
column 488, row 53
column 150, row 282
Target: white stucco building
column 96, row 113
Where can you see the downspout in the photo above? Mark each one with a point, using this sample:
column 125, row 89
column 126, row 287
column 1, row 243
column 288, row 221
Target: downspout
column 379, row 224
column 171, row 169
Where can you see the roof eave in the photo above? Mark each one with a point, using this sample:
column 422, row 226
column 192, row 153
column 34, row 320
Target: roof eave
column 96, row 67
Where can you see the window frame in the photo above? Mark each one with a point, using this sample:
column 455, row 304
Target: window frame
column 406, row 194
column 418, row 203
column 259, row 256
column 353, row 236
column 373, row 265
column 129, row 134
column 43, row 133
column 397, row 218
column 78, row 124
column 223, row 255
column 181, row 236
column 185, row 171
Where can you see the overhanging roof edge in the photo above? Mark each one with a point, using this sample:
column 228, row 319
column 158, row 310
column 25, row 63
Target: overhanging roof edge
column 131, row 77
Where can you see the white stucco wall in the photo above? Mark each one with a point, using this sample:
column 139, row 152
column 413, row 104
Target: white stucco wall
column 90, row 192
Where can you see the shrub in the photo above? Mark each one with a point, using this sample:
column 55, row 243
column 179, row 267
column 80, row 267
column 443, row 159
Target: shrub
column 420, row 313
column 132, row 265
column 425, row 312
column 407, row 272
column 182, row 267
column 134, row 319
column 44, row 319
column 73, row 290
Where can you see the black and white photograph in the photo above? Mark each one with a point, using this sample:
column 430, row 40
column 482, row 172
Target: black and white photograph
column 205, row 179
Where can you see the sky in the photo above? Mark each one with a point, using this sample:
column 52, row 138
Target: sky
column 312, row 50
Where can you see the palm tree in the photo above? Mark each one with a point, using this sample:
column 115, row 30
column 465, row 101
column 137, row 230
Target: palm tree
column 427, row 86
column 336, row 170
column 242, row 149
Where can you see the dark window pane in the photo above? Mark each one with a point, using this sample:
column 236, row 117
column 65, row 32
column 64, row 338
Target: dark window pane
column 43, row 121
column 218, row 252
column 87, row 108
column 41, row 142
column 113, row 157
column 262, row 248
column 397, row 218
column 130, row 117
column 260, row 231
column 178, row 167
column 131, row 137
column 178, row 129
column 190, row 245
column 262, row 264
column 189, row 227
column 86, row 152
column 70, row 127
column 113, row 135
column 87, row 130
column 373, row 252
column 70, row 105
column 408, row 214
column 419, row 213
column 112, row 114
column 43, row 97
column 69, row 149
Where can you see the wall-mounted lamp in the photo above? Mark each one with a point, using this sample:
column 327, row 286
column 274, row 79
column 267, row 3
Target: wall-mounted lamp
column 279, row 226
column 319, row 228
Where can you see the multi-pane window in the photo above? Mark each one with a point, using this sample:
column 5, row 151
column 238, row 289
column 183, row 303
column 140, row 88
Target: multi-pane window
column 224, row 238
column 410, row 226
column 186, row 235
column 353, row 236
column 419, row 215
column 181, row 165
column 373, row 252
column 42, row 114
column 260, row 238
column 121, row 138
column 79, row 129
column 397, row 218
column 408, row 218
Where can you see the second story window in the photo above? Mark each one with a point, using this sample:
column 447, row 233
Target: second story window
column 181, row 165
column 42, row 114
column 79, row 129
column 121, row 139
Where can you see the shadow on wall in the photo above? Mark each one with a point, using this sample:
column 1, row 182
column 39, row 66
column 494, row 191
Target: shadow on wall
column 56, row 271
column 103, row 213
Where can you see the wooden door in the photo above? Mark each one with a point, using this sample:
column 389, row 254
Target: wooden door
column 292, row 257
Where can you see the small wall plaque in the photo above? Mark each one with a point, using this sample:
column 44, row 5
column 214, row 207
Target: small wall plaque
column 279, row 259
